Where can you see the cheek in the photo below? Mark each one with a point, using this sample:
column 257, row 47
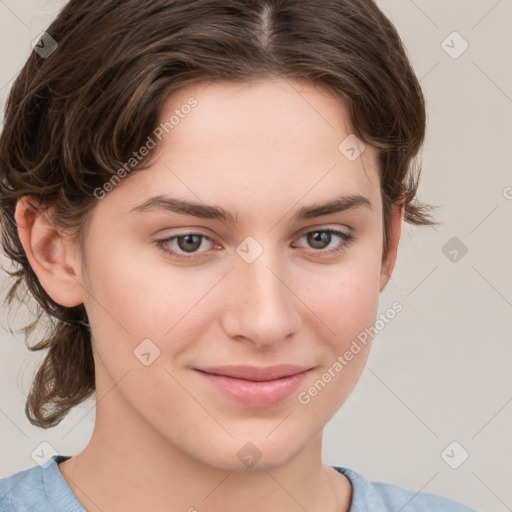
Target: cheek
column 125, row 280
column 346, row 297
column 347, row 303
column 120, row 303
column 139, row 297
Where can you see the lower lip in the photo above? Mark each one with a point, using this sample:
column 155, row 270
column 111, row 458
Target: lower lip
column 256, row 394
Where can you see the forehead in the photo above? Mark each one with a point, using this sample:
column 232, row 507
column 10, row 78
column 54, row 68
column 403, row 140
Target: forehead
column 272, row 138
column 273, row 112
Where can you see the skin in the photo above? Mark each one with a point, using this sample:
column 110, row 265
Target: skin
column 163, row 438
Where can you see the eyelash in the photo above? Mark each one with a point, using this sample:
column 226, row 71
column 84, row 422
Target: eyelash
column 347, row 238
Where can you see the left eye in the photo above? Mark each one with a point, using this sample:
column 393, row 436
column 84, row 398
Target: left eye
column 322, row 236
column 191, row 242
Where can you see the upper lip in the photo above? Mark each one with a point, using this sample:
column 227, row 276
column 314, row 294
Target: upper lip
column 254, row 373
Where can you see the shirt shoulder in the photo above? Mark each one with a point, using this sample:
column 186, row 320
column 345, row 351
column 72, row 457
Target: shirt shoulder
column 38, row 489
column 22, row 490
column 384, row 497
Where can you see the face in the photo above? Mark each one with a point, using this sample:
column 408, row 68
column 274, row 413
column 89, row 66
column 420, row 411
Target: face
column 172, row 291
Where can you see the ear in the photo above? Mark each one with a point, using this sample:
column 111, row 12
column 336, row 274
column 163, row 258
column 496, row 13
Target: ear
column 388, row 264
column 51, row 255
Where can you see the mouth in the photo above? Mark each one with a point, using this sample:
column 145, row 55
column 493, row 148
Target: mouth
column 255, row 387
column 255, row 374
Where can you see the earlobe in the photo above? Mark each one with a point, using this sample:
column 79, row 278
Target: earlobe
column 388, row 264
column 49, row 253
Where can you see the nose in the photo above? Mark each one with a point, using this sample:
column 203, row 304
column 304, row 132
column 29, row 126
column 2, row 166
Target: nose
column 262, row 305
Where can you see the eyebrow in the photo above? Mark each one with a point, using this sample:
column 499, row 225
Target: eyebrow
column 203, row 211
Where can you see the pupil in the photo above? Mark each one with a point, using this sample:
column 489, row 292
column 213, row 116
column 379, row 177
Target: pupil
column 187, row 238
column 317, row 236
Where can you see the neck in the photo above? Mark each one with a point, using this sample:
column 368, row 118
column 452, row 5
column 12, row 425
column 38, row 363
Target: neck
column 129, row 466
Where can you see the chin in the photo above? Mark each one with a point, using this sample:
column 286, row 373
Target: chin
column 250, row 456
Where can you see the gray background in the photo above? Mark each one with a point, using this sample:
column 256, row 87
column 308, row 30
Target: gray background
column 440, row 371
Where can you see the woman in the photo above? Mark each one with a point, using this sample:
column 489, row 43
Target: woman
column 278, row 139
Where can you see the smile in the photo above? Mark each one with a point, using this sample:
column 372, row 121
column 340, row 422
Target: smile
column 255, row 393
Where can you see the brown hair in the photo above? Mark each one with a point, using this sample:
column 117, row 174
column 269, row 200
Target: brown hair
column 75, row 116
